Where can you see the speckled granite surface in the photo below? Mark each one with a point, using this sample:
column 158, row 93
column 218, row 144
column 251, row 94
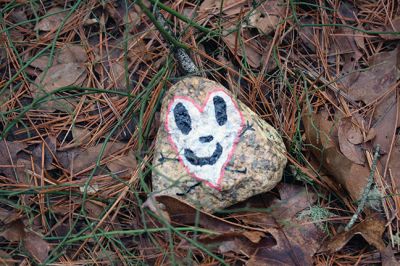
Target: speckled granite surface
column 211, row 149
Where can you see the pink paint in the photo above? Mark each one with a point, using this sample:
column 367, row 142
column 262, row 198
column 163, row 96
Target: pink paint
column 201, row 110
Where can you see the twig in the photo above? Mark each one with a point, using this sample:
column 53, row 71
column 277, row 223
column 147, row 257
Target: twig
column 366, row 191
column 178, row 49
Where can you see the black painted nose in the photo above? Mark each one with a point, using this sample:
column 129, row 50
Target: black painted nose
column 206, row 139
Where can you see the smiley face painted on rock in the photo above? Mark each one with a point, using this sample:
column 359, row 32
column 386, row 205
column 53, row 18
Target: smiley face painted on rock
column 204, row 135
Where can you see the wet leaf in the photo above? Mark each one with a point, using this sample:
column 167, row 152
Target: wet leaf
column 53, row 19
column 349, row 135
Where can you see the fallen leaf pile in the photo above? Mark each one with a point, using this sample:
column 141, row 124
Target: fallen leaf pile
column 81, row 84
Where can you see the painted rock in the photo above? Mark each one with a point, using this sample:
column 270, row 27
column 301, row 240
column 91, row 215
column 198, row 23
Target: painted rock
column 211, row 149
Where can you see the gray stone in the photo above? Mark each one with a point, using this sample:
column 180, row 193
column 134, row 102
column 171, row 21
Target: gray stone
column 211, row 149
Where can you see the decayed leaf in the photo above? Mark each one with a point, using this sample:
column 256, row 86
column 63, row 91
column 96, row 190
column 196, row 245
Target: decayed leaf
column 296, row 243
column 349, row 136
column 53, row 19
column 393, row 26
column 320, row 133
column 8, row 156
column 267, row 16
column 371, row 230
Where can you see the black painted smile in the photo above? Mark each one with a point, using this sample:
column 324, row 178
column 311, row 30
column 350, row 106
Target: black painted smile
column 200, row 161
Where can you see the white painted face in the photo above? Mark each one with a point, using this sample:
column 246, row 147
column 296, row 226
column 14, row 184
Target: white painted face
column 204, row 136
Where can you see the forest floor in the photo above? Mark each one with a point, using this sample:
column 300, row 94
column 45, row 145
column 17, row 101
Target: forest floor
column 80, row 92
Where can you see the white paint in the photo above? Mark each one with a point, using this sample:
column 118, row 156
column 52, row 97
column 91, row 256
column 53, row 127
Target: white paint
column 204, row 123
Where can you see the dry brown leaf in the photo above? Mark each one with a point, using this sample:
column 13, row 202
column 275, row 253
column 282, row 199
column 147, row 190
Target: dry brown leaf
column 117, row 75
column 183, row 213
column 49, row 150
column 26, row 171
column 58, row 76
column 124, row 165
column 296, row 243
column 137, row 50
column 6, row 259
column 252, row 53
column 13, row 231
column 7, row 216
column 349, row 135
column 229, row 7
column 86, row 159
column 267, row 16
column 40, row 62
column 348, row 10
column 80, row 135
column 72, row 53
column 320, row 132
column 370, row 85
column 370, row 135
column 371, row 230
column 53, row 19
column 69, row 53
column 308, row 34
column 36, row 246
column 8, row 156
column 392, row 27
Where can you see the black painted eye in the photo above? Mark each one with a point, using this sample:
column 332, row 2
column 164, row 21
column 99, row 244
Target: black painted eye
column 220, row 110
column 182, row 118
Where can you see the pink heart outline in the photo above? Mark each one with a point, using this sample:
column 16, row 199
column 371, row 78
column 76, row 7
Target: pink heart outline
column 201, row 108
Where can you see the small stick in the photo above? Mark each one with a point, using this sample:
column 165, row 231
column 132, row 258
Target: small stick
column 366, row 191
